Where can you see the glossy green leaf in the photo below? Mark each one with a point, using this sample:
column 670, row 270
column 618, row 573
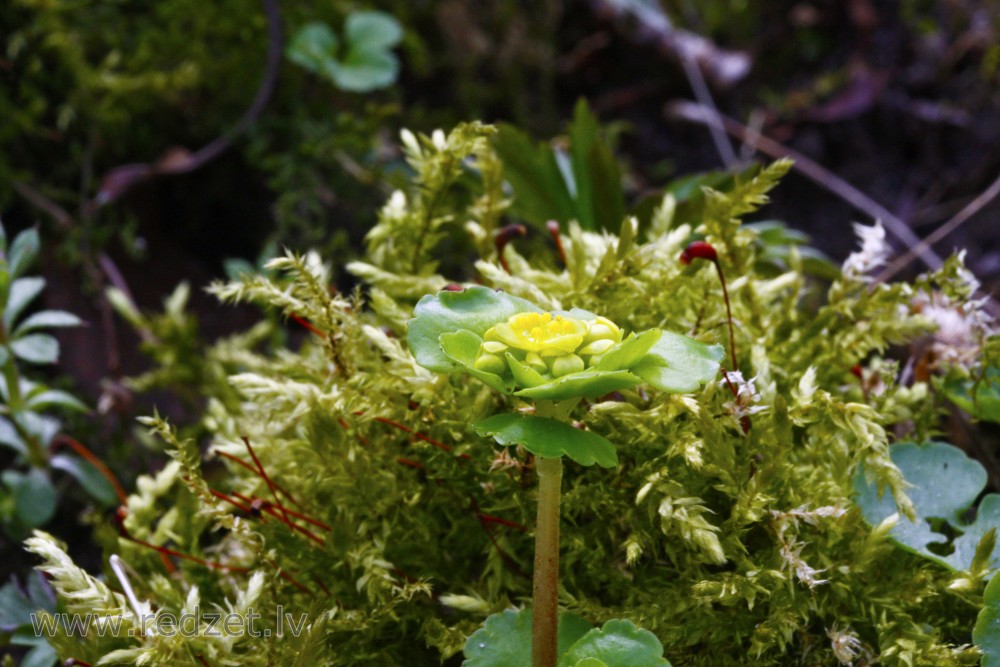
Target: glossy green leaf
column 33, row 494
column 589, row 383
column 47, row 318
column 979, row 397
column 475, row 309
column 505, row 639
column 23, row 252
column 618, row 644
column 89, row 477
column 549, row 437
column 986, row 633
column 945, row 483
column 462, row 347
column 22, row 292
column 629, row 351
column 36, row 348
column 678, row 364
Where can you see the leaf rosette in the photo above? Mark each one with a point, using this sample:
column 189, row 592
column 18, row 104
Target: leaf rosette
column 517, row 348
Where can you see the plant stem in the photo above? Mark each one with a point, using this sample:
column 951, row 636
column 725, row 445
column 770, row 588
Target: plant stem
column 545, row 590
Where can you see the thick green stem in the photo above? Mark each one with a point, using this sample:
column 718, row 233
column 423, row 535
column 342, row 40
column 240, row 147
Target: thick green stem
column 545, row 612
column 545, row 590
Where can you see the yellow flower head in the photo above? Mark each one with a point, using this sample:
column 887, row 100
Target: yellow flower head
column 542, row 333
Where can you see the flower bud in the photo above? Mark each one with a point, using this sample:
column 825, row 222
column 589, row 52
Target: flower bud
column 597, row 347
column 535, row 362
column 566, row 364
column 603, row 329
column 491, row 363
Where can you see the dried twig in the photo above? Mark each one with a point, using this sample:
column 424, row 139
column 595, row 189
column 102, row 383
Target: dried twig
column 969, row 210
column 693, row 112
column 176, row 160
column 722, row 67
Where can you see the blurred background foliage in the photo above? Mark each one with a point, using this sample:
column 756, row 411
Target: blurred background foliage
column 898, row 98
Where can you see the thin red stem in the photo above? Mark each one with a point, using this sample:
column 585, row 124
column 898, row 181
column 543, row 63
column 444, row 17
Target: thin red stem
column 267, row 478
column 63, row 439
column 239, row 461
column 307, row 325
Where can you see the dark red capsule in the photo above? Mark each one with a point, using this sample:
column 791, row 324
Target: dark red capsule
column 699, row 250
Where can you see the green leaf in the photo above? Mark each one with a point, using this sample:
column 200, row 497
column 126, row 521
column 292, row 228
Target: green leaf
column 42, row 655
column 600, row 202
column 364, row 71
column 55, row 397
column 540, row 191
column 372, row 30
column 946, row 483
column 986, row 403
column 10, row 437
column 462, row 347
column 23, row 252
column 505, row 639
column 313, row 46
column 36, row 349
column 549, row 437
column 629, row 351
column 89, row 477
column 590, row 383
column 47, row 318
column 618, row 644
column 33, row 494
column 678, row 364
column 986, row 633
column 475, row 309
column 22, row 292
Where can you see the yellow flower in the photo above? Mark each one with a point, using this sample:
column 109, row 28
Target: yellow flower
column 542, row 333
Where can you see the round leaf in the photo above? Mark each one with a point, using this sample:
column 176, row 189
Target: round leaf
column 475, row 309
column 549, row 437
column 462, row 346
column 364, row 71
column 945, row 483
column 313, row 46
column 34, row 496
column 618, row 644
column 678, row 364
column 505, row 639
column 371, row 30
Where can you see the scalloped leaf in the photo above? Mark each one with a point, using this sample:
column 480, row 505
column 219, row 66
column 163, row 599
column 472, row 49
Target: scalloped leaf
column 946, row 483
column 618, row 644
column 505, row 639
column 986, row 633
column 549, row 437
column 678, row 364
column 475, row 309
